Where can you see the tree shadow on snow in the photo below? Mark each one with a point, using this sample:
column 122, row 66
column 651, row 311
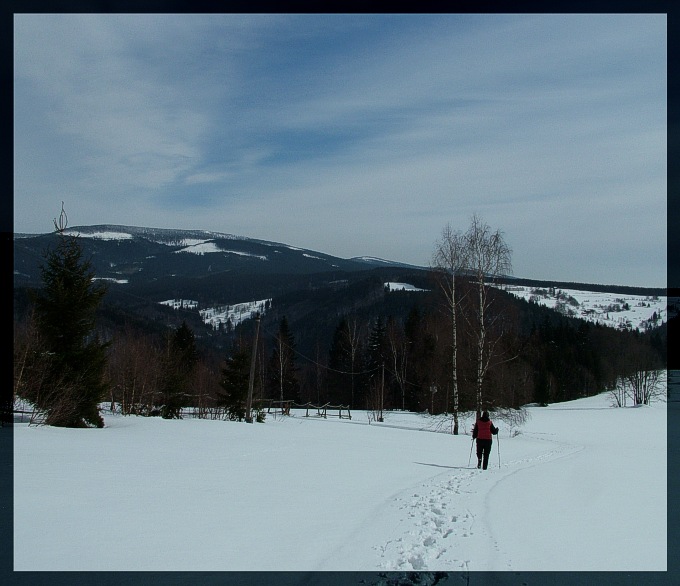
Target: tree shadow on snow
column 442, row 466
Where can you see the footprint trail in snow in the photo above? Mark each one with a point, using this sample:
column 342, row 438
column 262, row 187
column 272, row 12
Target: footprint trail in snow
column 445, row 523
column 442, row 519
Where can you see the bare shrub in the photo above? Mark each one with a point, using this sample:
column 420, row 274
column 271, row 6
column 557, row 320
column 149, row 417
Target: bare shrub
column 512, row 418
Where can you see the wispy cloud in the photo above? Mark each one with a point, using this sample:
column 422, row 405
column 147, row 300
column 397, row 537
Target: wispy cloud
column 353, row 134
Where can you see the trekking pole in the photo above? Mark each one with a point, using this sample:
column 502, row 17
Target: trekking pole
column 470, row 458
column 498, row 439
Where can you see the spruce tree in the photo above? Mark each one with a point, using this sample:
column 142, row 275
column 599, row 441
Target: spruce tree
column 74, row 357
column 339, row 379
column 182, row 359
column 375, row 361
column 346, row 377
column 377, row 347
column 235, row 376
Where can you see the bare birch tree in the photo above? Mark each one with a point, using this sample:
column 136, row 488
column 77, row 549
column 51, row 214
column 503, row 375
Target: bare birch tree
column 488, row 257
column 283, row 369
column 353, row 335
column 398, row 355
column 448, row 260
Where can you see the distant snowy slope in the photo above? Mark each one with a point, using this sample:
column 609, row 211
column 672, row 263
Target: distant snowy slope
column 227, row 315
column 101, row 234
column 175, row 237
column 610, row 309
column 233, row 314
column 393, row 286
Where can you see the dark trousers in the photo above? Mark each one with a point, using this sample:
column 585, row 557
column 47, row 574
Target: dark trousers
column 483, row 451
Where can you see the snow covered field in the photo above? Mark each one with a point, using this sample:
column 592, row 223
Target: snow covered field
column 579, row 486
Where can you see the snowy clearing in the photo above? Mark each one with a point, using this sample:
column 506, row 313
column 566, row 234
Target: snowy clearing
column 615, row 310
column 236, row 313
column 392, row 286
column 580, row 486
column 215, row 316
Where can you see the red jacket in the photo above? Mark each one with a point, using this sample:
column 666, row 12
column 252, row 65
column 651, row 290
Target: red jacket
column 483, row 429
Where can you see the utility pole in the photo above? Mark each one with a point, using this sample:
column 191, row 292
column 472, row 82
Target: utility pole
column 251, row 380
column 382, row 393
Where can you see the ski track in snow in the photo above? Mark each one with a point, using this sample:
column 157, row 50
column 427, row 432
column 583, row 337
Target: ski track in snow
column 443, row 533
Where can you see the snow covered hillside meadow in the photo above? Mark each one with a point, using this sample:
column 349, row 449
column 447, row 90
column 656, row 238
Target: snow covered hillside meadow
column 579, row 486
column 616, row 310
column 226, row 314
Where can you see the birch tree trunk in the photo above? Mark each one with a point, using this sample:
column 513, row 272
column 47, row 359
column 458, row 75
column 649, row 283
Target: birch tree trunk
column 448, row 259
column 488, row 257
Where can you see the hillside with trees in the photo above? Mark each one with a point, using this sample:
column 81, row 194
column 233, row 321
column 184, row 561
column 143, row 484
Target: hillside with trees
column 452, row 343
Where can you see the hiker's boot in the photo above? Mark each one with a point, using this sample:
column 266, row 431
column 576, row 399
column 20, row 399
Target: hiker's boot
column 479, row 463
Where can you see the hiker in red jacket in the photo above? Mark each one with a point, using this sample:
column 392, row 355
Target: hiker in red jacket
column 482, row 432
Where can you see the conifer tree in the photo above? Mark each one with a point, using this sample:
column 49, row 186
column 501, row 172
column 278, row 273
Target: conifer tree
column 376, row 349
column 346, row 378
column 74, row 357
column 182, row 359
column 339, row 379
column 235, row 376
column 376, row 358
column 422, row 359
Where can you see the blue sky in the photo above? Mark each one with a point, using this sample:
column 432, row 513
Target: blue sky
column 355, row 134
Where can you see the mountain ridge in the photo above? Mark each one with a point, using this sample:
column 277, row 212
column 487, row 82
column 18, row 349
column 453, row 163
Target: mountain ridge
column 134, row 253
column 109, row 243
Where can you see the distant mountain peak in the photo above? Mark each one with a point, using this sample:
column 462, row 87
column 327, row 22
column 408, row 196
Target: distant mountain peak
column 145, row 257
column 161, row 235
